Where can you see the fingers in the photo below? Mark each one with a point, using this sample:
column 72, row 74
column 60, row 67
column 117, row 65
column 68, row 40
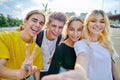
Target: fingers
column 50, row 77
column 27, row 51
column 33, row 53
column 34, row 69
column 29, row 59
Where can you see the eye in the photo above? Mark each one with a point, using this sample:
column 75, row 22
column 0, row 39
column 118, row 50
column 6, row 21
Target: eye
column 60, row 27
column 34, row 20
column 41, row 23
column 80, row 29
column 93, row 21
column 71, row 29
column 102, row 21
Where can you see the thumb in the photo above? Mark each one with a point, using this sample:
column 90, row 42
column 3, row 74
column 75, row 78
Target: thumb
column 34, row 69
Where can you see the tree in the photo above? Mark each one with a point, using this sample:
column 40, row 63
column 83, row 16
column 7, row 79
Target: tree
column 46, row 10
column 3, row 21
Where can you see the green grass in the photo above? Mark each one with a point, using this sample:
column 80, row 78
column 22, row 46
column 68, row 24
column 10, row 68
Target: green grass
column 115, row 36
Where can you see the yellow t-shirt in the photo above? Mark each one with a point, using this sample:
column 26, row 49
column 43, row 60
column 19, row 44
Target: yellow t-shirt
column 12, row 47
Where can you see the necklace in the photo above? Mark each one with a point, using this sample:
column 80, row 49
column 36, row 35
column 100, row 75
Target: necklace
column 50, row 46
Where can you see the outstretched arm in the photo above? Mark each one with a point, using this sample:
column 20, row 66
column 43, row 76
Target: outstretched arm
column 79, row 73
column 114, row 71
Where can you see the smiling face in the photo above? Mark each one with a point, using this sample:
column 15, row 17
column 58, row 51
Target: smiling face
column 96, row 25
column 55, row 28
column 74, row 30
column 34, row 24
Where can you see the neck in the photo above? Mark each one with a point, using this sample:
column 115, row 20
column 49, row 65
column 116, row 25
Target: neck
column 48, row 36
column 25, row 37
column 69, row 42
column 94, row 38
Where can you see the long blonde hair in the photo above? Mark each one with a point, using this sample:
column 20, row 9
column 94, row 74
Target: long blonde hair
column 104, row 36
column 21, row 27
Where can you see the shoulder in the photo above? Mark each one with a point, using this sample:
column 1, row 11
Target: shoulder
column 6, row 34
column 81, row 46
column 79, row 43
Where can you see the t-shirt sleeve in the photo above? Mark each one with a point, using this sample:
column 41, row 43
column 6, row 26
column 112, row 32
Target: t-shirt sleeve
column 81, row 46
column 115, row 55
column 4, row 52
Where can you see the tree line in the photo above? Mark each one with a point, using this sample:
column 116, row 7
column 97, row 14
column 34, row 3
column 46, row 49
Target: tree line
column 9, row 21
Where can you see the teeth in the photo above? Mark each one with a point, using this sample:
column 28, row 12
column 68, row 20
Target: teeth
column 34, row 29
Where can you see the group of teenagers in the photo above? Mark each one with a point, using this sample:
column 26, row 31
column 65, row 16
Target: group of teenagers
column 60, row 48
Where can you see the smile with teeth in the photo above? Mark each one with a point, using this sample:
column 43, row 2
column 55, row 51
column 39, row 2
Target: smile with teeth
column 35, row 30
column 97, row 28
column 74, row 37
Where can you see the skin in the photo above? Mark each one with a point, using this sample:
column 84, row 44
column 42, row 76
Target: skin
column 74, row 33
column 55, row 29
column 32, row 27
column 114, row 70
column 95, row 27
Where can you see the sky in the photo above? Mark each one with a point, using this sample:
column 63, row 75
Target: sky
column 19, row 8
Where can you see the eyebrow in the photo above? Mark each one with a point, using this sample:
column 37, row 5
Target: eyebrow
column 37, row 19
column 34, row 18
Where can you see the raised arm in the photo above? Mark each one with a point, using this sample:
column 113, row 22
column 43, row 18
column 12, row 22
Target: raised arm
column 26, row 67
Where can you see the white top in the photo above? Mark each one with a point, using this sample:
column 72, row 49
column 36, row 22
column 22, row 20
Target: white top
column 48, row 48
column 99, row 60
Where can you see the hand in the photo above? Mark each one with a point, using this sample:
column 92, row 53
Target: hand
column 49, row 62
column 55, row 77
column 27, row 66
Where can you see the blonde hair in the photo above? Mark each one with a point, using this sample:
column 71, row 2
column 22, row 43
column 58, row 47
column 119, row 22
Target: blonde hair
column 72, row 18
column 104, row 36
column 21, row 27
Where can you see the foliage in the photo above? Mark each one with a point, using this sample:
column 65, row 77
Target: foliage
column 112, row 21
column 9, row 21
column 46, row 10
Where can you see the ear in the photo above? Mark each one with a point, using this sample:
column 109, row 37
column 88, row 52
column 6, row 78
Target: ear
column 25, row 21
column 47, row 24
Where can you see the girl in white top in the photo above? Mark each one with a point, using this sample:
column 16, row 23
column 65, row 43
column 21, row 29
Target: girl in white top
column 94, row 52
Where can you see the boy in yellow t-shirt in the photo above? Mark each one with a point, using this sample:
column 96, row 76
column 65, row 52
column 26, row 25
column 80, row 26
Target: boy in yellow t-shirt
column 16, row 59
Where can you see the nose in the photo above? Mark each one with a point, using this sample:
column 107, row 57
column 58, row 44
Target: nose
column 56, row 29
column 97, row 23
column 37, row 24
column 75, row 32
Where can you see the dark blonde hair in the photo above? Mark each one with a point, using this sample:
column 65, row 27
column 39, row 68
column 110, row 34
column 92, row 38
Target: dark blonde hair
column 72, row 18
column 21, row 27
column 57, row 16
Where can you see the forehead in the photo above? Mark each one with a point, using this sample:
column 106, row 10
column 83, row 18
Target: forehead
column 57, row 22
column 75, row 24
column 97, row 16
column 37, row 16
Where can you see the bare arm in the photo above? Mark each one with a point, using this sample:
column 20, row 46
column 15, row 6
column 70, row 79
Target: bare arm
column 80, row 72
column 9, row 73
column 37, row 75
column 114, row 71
